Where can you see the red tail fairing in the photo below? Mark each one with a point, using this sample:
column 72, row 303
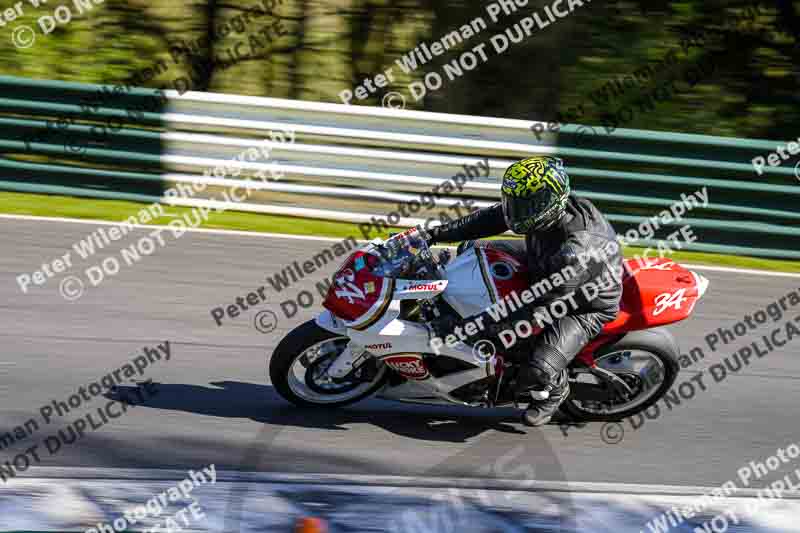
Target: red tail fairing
column 655, row 292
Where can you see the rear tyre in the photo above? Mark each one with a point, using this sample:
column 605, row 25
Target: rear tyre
column 298, row 367
column 658, row 349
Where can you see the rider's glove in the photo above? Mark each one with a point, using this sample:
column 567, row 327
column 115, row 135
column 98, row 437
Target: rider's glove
column 431, row 235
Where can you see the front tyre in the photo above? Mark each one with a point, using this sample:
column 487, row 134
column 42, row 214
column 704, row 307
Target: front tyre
column 298, row 369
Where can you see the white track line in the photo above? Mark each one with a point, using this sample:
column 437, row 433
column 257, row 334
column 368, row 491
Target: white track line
column 153, row 226
column 733, row 270
column 527, row 485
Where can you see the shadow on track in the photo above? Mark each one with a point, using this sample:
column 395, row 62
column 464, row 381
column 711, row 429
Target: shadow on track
column 260, row 403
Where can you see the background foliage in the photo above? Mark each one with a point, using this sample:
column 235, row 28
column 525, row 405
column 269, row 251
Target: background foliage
column 328, row 46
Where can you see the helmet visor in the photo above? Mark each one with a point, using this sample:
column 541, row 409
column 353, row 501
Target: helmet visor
column 524, row 214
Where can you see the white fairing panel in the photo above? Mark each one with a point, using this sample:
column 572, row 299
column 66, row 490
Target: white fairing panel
column 418, row 289
column 389, row 335
column 466, row 290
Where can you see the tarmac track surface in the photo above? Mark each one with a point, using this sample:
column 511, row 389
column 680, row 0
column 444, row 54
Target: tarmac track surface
column 215, row 404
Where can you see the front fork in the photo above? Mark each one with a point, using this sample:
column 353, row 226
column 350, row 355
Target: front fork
column 349, row 360
column 346, row 363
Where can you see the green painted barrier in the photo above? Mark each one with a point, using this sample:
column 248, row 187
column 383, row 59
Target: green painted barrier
column 105, row 142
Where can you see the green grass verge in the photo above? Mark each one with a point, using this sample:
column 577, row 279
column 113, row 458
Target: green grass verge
column 115, row 210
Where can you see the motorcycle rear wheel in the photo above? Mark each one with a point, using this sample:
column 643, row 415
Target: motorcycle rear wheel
column 651, row 386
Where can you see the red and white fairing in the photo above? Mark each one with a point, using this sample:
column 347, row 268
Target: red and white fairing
column 410, row 366
column 482, row 276
column 418, row 289
column 357, row 296
column 656, row 291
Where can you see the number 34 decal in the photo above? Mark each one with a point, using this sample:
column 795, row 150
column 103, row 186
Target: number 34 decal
column 669, row 299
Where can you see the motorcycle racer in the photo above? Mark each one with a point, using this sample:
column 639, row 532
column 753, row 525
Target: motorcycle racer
column 560, row 231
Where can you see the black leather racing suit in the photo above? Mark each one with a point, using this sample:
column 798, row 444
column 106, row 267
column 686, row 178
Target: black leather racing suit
column 571, row 241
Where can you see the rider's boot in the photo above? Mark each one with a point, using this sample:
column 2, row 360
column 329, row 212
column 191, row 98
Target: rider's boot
column 539, row 412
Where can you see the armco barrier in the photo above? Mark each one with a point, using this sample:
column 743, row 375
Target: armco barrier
column 352, row 162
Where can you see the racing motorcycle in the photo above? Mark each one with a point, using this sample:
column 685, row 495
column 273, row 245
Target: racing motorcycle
column 374, row 339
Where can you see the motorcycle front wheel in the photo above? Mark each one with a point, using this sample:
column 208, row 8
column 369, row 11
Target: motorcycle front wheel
column 298, row 369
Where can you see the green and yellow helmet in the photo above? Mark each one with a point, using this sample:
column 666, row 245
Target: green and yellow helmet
column 535, row 192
